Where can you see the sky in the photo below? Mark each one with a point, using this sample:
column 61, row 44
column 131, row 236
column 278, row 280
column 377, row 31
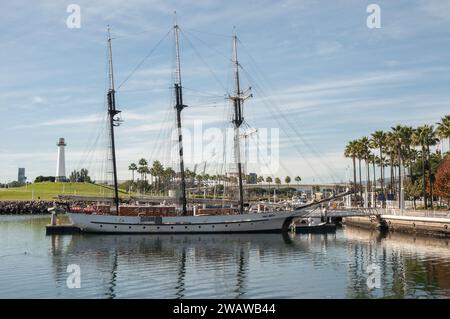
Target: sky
column 318, row 74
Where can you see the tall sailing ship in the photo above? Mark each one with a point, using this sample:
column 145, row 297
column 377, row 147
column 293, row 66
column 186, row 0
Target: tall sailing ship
column 183, row 218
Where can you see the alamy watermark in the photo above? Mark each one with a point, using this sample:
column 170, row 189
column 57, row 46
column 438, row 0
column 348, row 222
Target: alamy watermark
column 374, row 279
column 74, row 278
column 374, row 19
column 216, row 146
column 73, row 21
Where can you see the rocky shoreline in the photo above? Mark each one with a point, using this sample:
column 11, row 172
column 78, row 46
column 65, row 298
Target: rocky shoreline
column 25, row 207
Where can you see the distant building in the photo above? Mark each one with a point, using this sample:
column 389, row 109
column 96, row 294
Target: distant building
column 252, row 178
column 61, row 161
column 21, row 178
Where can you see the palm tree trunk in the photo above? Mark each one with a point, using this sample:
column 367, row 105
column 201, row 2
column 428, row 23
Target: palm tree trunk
column 430, row 177
column 424, row 191
column 354, row 178
column 367, row 183
column 374, row 184
column 360, row 179
column 392, row 174
column 399, row 179
column 410, row 170
column 382, row 170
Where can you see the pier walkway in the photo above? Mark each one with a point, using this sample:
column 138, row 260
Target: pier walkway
column 347, row 212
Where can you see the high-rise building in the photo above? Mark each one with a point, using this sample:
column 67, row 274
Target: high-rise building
column 61, row 161
column 21, row 178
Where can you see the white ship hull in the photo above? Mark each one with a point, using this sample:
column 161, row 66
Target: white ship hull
column 241, row 223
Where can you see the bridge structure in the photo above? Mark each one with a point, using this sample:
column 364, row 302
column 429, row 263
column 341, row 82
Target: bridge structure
column 298, row 187
column 345, row 212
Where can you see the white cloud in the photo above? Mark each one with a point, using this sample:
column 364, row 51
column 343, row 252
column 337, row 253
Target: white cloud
column 38, row 100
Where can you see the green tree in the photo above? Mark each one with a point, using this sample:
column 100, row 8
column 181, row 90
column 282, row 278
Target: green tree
column 424, row 136
column 269, row 180
column 364, row 153
column 132, row 167
column 360, row 153
column 414, row 190
column 401, row 139
column 143, row 168
column 351, row 151
column 81, row 176
column 168, row 177
column 443, row 180
column 157, row 171
column 278, row 181
column 287, row 180
column 443, row 128
column 378, row 141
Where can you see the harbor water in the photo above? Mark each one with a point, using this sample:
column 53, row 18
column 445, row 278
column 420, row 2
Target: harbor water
column 352, row 263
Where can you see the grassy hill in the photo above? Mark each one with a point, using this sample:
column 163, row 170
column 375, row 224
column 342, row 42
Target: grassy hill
column 49, row 190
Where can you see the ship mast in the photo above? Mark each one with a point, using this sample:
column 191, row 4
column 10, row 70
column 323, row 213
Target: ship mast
column 238, row 119
column 112, row 112
column 179, row 106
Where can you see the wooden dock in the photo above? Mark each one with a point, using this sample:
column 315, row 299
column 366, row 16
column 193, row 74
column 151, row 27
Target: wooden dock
column 65, row 229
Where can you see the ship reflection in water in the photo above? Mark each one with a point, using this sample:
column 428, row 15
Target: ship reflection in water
column 221, row 266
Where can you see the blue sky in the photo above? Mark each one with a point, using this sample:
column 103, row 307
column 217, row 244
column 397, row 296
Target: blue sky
column 332, row 78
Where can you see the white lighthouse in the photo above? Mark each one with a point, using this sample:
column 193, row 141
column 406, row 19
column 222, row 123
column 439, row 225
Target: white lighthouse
column 61, row 162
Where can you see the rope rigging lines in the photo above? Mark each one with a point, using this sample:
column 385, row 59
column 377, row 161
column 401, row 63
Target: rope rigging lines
column 143, row 60
column 211, row 96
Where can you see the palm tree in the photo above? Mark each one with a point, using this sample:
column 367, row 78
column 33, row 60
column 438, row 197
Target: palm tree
column 146, row 172
column 287, row 180
column 206, row 178
column 157, row 170
column 141, row 171
column 132, row 168
column 413, row 156
column 424, row 136
column 298, row 179
column 199, row 178
column 269, row 180
column 260, row 179
column 364, row 148
column 399, row 139
column 189, row 176
column 406, row 144
column 443, row 129
column 430, row 140
column 351, row 150
column 373, row 159
column 378, row 141
column 390, row 150
column 277, row 181
column 359, row 155
column 169, row 175
column 419, row 137
column 142, row 164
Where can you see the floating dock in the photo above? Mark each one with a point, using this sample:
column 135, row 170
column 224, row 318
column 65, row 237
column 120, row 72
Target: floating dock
column 316, row 229
column 66, row 229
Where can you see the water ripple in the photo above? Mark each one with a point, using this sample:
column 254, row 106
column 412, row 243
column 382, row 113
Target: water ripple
column 219, row 266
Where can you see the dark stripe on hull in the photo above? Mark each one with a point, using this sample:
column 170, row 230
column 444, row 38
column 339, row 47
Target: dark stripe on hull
column 186, row 224
column 272, row 231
